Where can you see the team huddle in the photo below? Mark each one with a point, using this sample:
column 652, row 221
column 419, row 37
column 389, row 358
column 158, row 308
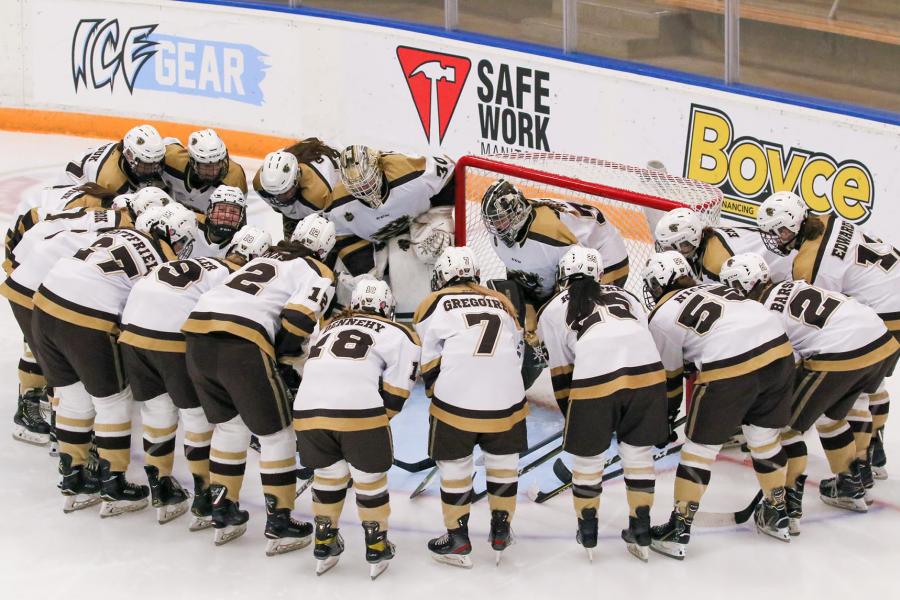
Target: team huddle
column 136, row 279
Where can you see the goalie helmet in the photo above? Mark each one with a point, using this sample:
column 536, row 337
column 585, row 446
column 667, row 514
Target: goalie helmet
column 250, row 242
column 208, row 154
column 316, row 233
column 779, row 219
column 744, row 272
column 455, row 265
column 662, row 270
column 680, row 229
column 372, row 295
column 579, row 262
column 144, row 198
column 361, row 174
column 144, row 151
column 504, row 211
column 226, row 213
column 175, row 225
column 278, row 178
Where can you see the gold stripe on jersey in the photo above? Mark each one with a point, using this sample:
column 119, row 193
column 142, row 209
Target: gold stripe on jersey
column 809, row 257
column 394, row 391
column 73, row 313
column 110, row 173
column 153, row 340
column 298, row 319
column 340, row 420
column 626, row 378
column 674, row 383
column 429, row 373
column 235, row 176
column 615, row 273
column 86, row 201
column 547, row 228
column 358, row 255
column 478, row 421
column 746, row 362
column 315, row 192
column 663, row 299
column 715, row 253
column 209, row 322
column 398, row 170
column 561, row 378
column 320, row 268
column 868, row 355
column 17, row 294
column 891, row 321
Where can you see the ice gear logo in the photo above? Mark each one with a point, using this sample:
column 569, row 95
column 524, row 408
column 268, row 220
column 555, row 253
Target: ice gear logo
column 98, row 55
column 435, row 82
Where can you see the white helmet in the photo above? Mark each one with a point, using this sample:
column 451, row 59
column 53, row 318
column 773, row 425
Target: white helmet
column 744, row 271
column 144, row 151
column 361, row 174
column 226, row 213
column 144, row 198
column 209, row 156
column 316, row 233
column 250, row 242
column 122, row 201
column 373, row 295
column 456, row 263
column 177, row 226
column 779, row 219
column 278, row 177
column 148, row 219
column 662, row 270
column 579, row 261
column 680, row 229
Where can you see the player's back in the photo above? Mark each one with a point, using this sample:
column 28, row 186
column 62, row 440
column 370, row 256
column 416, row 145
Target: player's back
column 73, row 219
column 725, row 242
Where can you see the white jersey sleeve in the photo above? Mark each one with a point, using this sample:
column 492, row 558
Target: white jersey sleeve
column 560, row 343
column 592, row 230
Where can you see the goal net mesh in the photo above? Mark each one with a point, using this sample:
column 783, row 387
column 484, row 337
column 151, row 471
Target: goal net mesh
column 631, row 198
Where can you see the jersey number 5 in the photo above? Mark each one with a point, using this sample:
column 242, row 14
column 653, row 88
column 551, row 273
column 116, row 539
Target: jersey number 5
column 700, row 314
column 490, row 331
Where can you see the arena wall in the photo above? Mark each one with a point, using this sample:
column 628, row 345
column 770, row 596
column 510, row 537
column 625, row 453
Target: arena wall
column 95, row 66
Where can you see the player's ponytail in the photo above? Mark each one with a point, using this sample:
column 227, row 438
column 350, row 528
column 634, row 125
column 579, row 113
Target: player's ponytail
column 584, row 296
column 312, row 149
column 812, row 228
column 507, row 305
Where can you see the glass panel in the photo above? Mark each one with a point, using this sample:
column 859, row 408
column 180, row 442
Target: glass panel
column 534, row 21
column 852, row 55
column 424, row 12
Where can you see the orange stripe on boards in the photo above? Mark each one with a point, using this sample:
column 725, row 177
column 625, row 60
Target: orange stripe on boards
column 240, row 143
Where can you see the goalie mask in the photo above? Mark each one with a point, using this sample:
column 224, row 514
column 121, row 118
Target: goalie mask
column 279, row 177
column 249, row 243
column 361, row 174
column 680, row 229
column 372, row 295
column 743, row 272
column 504, row 211
column 579, row 262
column 208, row 155
column 779, row 219
column 226, row 213
column 454, row 265
column 663, row 269
column 316, row 233
column 143, row 150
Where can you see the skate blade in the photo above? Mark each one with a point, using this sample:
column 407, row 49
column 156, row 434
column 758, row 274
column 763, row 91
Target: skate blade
column 853, row 504
column 879, row 473
column 498, row 556
column 326, row 564
column 53, row 451
column 285, row 545
column 376, row 569
column 114, row 508
column 641, row 553
column 170, row 512
column 21, row 434
column 590, row 554
column 229, row 533
column 782, row 535
column 79, row 502
column 200, row 523
column 794, row 527
column 670, row 549
column 463, row 561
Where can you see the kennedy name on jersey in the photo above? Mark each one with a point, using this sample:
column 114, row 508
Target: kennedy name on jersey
column 356, row 322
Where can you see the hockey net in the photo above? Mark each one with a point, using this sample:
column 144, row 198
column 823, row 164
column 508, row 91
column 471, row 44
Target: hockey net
column 631, row 198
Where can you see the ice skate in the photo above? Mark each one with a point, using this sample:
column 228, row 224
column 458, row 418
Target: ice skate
column 637, row 536
column 28, row 424
column 587, row 531
column 845, row 491
column 454, row 547
column 672, row 538
column 771, row 516
column 283, row 532
column 879, row 459
column 794, row 501
column 867, row 477
column 378, row 549
column 167, row 496
column 228, row 519
column 501, row 535
column 118, row 494
column 79, row 486
column 329, row 545
column 201, row 507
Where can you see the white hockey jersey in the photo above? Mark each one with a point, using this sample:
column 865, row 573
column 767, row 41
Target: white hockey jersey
column 718, row 333
column 412, row 183
column 161, row 302
column 358, row 374
column 554, row 228
column 204, row 247
column 90, row 288
column 273, row 301
column 856, row 263
column 471, row 360
column 101, row 165
column 616, row 330
column 828, row 330
column 318, row 180
column 186, row 188
column 728, row 241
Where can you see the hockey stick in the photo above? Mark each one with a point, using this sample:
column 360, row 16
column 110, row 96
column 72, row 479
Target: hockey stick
column 416, row 467
column 526, row 469
column 727, row 519
column 305, row 477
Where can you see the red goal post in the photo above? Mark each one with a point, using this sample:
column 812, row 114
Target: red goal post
column 631, row 198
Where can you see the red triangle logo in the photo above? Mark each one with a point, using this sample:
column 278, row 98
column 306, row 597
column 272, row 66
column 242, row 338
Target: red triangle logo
column 435, row 81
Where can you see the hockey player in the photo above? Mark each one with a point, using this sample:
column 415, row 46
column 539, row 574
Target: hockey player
column 470, row 333
column 531, row 236
column 624, row 393
column 359, row 373
column 74, row 326
column 125, row 166
column 194, row 173
column 707, row 248
column 745, row 373
column 845, row 350
column 225, row 215
column 391, row 210
column 837, row 255
column 241, row 338
column 153, row 356
column 298, row 180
